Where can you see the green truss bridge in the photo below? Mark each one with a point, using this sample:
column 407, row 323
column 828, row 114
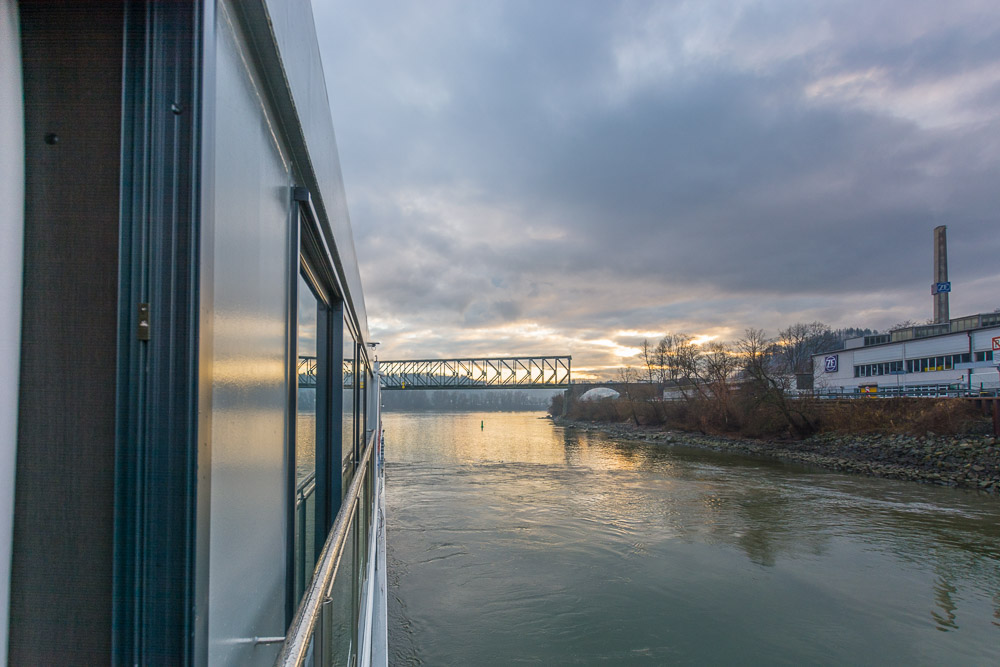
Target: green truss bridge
column 481, row 373
column 467, row 373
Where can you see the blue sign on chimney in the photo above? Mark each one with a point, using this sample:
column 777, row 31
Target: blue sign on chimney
column 938, row 288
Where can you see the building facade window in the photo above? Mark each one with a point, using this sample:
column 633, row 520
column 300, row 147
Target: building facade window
column 882, row 368
column 925, row 365
column 877, row 339
column 945, row 362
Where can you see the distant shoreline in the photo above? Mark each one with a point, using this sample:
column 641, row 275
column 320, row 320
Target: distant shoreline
column 385, row 410
column 968, row 462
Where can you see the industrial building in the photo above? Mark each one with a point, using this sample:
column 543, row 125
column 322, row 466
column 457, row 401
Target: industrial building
column 946, row 357
column 956, row 356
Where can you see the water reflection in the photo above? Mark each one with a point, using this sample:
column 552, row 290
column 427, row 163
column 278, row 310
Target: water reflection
column 943, row 592
column 526, row 541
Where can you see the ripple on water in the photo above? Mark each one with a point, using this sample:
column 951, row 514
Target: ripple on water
column 530, row 543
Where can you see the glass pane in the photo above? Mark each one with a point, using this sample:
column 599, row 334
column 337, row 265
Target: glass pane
column 363, row 407
column 305, row 437
column 348, row 408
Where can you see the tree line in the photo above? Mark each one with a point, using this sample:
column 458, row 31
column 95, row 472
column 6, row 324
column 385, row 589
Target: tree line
column 737, row 386
column 676, row 357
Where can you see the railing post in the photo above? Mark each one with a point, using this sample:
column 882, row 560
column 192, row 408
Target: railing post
column 302, row 540
column 320, row 635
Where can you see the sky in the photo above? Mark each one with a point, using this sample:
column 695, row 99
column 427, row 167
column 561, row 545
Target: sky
column 571, row 177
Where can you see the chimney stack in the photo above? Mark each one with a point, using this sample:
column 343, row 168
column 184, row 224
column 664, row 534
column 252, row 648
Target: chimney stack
column 941, row 287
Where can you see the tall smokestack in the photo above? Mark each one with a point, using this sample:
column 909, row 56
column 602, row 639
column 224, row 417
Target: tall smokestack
column 941, row 286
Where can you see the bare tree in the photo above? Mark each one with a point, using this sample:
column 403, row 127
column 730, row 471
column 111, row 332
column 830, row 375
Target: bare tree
column 765, row 381
column 797, row 344
column 718, row 365
column 662, row 370
column 688, row 356
column 674, row 356
column 676, row 359
column 628, row 376
column 649, row 359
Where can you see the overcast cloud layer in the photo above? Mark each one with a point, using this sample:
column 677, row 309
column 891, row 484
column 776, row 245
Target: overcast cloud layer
column 570, row 177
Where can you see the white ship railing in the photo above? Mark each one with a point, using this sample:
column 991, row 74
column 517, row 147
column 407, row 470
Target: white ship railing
column 310, row 637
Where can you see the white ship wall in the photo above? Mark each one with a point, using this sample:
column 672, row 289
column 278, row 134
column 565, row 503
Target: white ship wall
column 11, row 249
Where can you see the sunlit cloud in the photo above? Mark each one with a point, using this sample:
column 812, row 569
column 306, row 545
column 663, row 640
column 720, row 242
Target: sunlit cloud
column 702, row 339
column 652, row 336
column 614, row 348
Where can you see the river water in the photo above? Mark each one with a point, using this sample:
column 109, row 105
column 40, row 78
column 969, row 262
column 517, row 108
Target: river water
column 515, row 541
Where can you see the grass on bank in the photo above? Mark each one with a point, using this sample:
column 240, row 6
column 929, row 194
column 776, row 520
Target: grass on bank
column 752, row 414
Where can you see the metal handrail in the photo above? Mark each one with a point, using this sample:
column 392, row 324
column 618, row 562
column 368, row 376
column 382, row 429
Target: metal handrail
column 293, row 651
column 305, row 488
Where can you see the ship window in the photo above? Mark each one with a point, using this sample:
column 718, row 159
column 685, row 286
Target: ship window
column 308, row 434
column 314, row 485
column 348, row 422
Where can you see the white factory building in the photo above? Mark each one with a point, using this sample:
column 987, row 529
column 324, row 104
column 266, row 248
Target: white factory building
column 933, row 359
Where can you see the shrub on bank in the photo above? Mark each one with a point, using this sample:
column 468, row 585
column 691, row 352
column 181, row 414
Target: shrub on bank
column 746, row 415
column 901, row 416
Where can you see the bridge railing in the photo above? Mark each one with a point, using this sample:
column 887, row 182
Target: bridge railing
column 478, row 373
column 307, row 370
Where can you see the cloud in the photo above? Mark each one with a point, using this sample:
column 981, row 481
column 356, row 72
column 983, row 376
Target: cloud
column 532, row 177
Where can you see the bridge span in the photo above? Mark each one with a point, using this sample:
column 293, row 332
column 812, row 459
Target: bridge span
column 552, row 372
column 477, row 373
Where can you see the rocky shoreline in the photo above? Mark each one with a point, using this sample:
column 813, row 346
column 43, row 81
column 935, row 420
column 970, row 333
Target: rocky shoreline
column 971, row 461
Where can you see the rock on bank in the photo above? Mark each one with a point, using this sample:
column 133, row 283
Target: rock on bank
column 971, row 462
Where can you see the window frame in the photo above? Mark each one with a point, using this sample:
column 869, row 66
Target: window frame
column 310, row 258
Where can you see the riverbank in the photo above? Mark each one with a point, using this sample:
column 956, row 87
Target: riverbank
column 971, row 461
